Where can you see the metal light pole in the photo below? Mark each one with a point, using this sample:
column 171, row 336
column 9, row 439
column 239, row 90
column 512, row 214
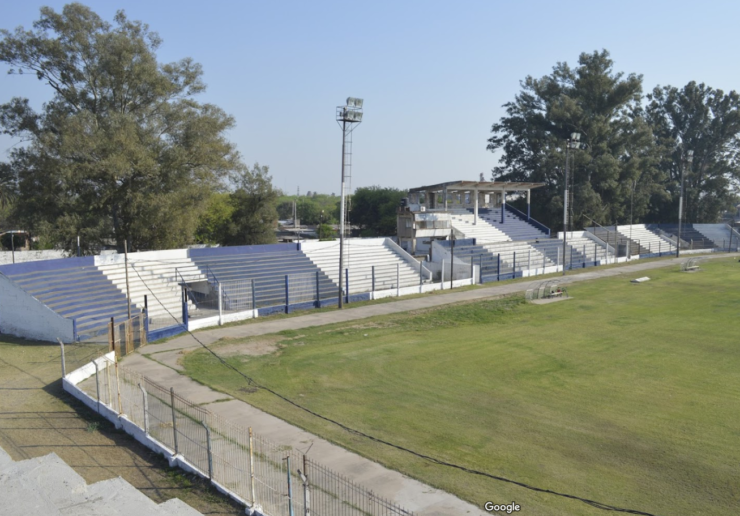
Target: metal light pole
column 632, row 202
column 688, row 159
column 347, row 117
column 571, row 143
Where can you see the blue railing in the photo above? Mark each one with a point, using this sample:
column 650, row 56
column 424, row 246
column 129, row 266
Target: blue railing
column 539, row 225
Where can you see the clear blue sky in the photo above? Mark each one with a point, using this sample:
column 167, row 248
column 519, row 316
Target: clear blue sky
column 434, row 74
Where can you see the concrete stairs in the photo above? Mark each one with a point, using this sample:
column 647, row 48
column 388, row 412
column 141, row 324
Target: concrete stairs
column 47, row 486
column 483, row 231
column 360, row 257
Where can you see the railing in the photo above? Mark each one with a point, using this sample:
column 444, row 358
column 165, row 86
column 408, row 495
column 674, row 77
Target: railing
column 274, row 479
column 539, row 225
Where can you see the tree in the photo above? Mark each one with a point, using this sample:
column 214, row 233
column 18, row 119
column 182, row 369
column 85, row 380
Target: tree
column 254, row 218
column 216, row 223
column 706, row 121
column 374, row 210
column 604, row 107
column 121, row 151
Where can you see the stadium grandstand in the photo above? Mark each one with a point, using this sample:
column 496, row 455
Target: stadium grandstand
column 458, row 233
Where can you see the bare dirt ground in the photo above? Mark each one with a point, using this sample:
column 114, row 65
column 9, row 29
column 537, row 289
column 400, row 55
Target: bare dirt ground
column 37, row 417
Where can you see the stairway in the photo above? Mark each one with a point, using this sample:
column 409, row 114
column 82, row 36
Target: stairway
column 49, row 487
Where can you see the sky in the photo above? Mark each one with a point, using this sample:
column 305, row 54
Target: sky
column 434, row 75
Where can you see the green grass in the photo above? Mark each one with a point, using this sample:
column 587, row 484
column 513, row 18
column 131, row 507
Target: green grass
column 626, row 394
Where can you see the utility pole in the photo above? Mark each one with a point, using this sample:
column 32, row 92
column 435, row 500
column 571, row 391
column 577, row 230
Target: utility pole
column 688, row 159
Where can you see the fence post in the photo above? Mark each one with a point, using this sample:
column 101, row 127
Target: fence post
column 513, row 267
column 480, row 269
column 254, row 299
column 184, row 306
column 251, row 464
column 584, row 256
column 174, row 419
column 97, row 384
column 442, row 277
column 659, row 246
column 398, row 280
column 421, row 277
column 373, row 280
column 220, row 304
column 498, row 268
column 210, row 454
column 118, row 388
column 146, row 409
column 557, row 262
column 529, row 259
column 596, row 256
column 318, row 291
column 287, row 298
column 346, row 284
column 571, row 257
column 290, row 487
column 472, row 272
column 306, row 489
column 111, row 336
column 64, row 365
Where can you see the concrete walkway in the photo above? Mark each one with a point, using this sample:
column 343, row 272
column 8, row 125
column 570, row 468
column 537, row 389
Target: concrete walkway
column 411, row 494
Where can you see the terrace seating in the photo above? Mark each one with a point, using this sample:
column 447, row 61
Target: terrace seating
column 483, row 231
column 158, row 280
column 268, row 270
column 360, row 256
column 513, row 226
column 74, row 289
column 717, row 233
column 693, row 238
column 648, row 241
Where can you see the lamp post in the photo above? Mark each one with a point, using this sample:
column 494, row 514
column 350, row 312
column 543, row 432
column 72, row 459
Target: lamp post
column 688, row 159
column 347, row 117
column 572, row 143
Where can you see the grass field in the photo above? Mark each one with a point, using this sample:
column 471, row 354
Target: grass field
column 626, row 394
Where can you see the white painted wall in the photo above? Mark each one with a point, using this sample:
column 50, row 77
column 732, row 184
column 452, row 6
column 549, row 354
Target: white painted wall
column 25, row 316
column 6, row 257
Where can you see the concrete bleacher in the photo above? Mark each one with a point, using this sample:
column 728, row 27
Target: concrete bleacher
column 75, row 289
column 513, row 226
column 690, row 237
column 720, row 234
column 649, row 241
column 46, row 486
column 483, row 231
column 360, row 256
column 236, row 267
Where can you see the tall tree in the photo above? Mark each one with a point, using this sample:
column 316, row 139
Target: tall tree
column 707, row 122
column 121, row 151
column 254, row 202
column 374, row 210
column 604, row 107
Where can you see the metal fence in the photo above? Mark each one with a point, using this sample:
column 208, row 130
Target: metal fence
column 279, row 479
column 125, row 337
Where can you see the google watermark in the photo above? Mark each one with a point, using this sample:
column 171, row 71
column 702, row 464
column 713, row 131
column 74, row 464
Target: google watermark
column 508, row 508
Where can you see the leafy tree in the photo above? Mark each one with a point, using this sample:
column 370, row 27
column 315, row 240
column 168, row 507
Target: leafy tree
column 706, row 121
column 254, row 218
column 121, row 151
column 374, row 210
column 326, row 232
column 602, row 105
column 215, row 224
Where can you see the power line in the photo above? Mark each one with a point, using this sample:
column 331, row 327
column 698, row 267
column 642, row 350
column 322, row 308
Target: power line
column 252, row 382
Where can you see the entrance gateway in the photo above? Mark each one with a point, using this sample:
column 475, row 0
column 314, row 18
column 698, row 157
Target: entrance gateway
column 425, row 215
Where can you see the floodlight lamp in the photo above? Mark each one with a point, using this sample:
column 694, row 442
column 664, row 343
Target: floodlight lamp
column 354, row 102
column 690, row 156
column 575, row 136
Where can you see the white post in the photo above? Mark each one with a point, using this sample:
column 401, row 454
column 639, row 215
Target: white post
column 442, row 284
column 398, row 280
column 529, row 259
column 558, row 262
column 220, row 304
column 475, row 207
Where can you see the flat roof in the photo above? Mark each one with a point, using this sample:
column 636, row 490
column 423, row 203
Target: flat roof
column 478, row 185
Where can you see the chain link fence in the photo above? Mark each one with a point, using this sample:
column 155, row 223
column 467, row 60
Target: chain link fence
column 279, row 479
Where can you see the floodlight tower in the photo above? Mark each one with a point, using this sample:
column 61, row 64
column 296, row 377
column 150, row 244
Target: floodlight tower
column 686, row 159
column 572, row 143
column 347, row 117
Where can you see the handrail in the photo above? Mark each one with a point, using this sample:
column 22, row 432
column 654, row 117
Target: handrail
column 536, row 223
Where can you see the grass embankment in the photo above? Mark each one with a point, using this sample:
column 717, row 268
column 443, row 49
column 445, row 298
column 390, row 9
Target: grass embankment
column 626, row 394
column 37, row 417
